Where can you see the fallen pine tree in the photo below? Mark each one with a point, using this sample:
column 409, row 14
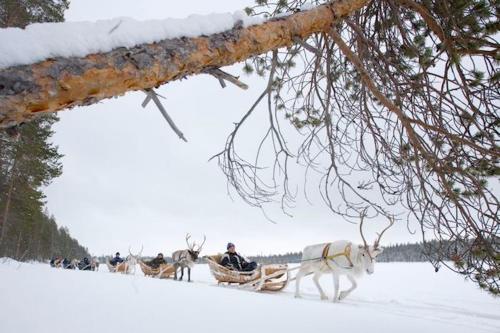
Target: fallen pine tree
column 61, row 83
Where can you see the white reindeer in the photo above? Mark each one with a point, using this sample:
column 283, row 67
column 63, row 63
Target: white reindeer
column 94, row 264
column 339, row 258
column 129, row 265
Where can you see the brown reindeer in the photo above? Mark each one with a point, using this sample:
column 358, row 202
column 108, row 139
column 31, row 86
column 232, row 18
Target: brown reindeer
column 187, row 258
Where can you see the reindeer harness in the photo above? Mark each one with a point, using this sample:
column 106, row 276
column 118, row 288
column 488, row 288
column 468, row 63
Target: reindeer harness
column 346, row 253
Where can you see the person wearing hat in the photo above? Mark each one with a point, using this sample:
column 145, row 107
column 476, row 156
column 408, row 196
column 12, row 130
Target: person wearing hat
column 234, row 261
column 84, row 265
column 116, row 260
column 156, row 262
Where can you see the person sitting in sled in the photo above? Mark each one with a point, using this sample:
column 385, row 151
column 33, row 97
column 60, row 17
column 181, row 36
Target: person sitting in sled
column 66, row 264
column 55, row 261
column 156, row 262
column 234, row 261
column 116, row 260
column 84, row 265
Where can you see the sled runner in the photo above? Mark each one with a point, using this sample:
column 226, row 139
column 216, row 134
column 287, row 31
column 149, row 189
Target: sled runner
column 163, row 272
column 265, row 277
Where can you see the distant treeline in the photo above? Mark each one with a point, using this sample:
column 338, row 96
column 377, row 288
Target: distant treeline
column 104, row 258
column 403, row 252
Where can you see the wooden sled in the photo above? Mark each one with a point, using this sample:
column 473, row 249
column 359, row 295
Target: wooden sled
column 265, row 277
column 163, row 272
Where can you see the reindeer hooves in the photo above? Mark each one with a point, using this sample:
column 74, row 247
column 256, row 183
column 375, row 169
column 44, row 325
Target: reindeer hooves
column 297, row 296
column 324, row 297
column 343, row 294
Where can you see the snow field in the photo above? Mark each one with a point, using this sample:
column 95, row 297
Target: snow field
column 399, row 297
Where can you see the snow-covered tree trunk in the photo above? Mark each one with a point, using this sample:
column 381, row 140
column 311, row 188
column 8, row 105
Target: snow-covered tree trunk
column 61, row 83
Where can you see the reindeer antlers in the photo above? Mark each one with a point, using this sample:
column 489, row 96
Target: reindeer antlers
column 377, row 241
column 362, row 216
column 201, row 246
column 138, row 254
column 191, row 246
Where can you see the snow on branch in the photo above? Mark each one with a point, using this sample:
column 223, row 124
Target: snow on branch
column 41, row 41
column 65, row 80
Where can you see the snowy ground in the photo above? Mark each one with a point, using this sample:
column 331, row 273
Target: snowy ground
column 399, row 297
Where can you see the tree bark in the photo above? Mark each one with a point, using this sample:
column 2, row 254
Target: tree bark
column 61, row 83
column 18, row 247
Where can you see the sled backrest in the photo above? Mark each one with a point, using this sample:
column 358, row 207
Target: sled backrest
column 216, row 258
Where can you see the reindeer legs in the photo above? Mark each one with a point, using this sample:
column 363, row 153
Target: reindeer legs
column 298, row 277
column 345, row 293
column 335, row 288
column 176, row 267
column 316, row 277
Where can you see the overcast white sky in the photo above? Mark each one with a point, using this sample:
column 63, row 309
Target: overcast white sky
column 129, row 181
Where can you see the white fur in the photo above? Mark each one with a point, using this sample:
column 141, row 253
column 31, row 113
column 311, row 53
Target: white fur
column 131, row 263
column 126, row 267
column 94, row 264
column 363, row 260
column 74, row 263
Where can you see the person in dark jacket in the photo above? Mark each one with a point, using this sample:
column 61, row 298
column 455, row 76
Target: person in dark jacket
column 116, row 260
column 84, row 265
column 156, row 262
column 56, row 261
column 234, row 261
column 66, row 264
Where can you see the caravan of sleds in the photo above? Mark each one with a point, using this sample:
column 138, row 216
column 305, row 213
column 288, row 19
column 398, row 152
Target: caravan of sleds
column 84, row 265
column 336, row 258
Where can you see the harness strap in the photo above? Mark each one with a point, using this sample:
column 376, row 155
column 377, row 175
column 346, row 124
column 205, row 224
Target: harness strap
column 324, row 255
column 346, row 253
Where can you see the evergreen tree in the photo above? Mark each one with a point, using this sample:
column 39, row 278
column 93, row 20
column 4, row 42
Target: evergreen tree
column 20, row 13
column 28, row 162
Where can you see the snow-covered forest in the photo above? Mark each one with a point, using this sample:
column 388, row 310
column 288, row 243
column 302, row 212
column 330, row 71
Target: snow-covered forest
column 392, row 253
